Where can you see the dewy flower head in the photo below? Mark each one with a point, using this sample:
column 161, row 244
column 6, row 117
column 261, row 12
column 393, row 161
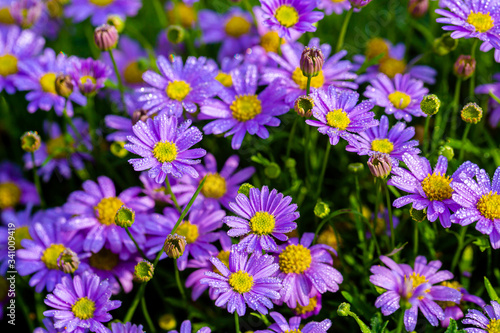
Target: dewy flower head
column 430, row 105
column 485, row 324
column 89, row 74
column 281, row 325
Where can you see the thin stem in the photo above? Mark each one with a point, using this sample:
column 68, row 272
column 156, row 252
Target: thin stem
column 426, row 134
column 376, row 210
column 178, row 281
column 119, row 78
column 37, row 181
column 464, row 137
column 401, row 322
column 91, row 120
column 237, row 322
column 323, row 168
column 172, row 195
column 145, row 312
column 307, row 138
column 308, row 89
column 359, row 225
column 69, row 120
column 456, row 257
column 290, row 137
column 495, row 97
column 136, row 245
column 135, row 302
column 472, row 82
column 415, row 239
column 456, row 104
column 391, row 221
column 343, row 30
column 162, row 18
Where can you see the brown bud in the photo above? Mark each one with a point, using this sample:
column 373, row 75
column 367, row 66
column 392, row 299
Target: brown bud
column 380, row 165
column 311, row 61
column 174, row 246
column 64, row 85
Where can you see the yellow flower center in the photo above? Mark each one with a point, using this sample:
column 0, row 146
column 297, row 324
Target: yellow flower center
column 246, row 107
column 6, row 17
column 84, row 79
column 165, row 151
column 493, row 326
column 214, row 187
column 300, row 310
column 270, row 41
column 10, row 194
column 391, row 67
column 223, row 256
column 293, row 331
column 83, row 308
column 241, row 282
column 399, row 99
column 489, row 205
column 58, row 148
column 183, row 14
column 416, row 279
column 482, row 22
column 338, row 119
column 20, row 234
column 337, row 1
column 262, row 223
column 301, row 80
column 188, row 230
column 382, row 146
column 287, row 16
column 237, row 26
column 48, row 83
column 225, row 79
column 104, row 260
column 132, row 74
column 295, row 259
column 437, row 187
column 50, row 255
column 178, row 90
column 8, row 65
column 101, row 3
column 106, row 209
column 375, row 47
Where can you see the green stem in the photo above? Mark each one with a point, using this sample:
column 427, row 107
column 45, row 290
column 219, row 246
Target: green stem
column 456, row 104
column 415, row 239
column 172, row 195
column 69, row 120
column 359, row 225
column 162, row 18
column 91, row 120
column 290, row 137
column 120, row 81
column 37, row 181
column 464, row 137
column 323, row 168
column 391, row 221
column 472, row 82
column 237, row 322
column 343, row 30
column 307, row 138
column 401, row 322
column 308, row 88
column 135, row 302
column 145, row 312
column 136, row 245
column 376, row 210
column 461, row 239
column 178, row 281
column 426, row 134
column 495, row 97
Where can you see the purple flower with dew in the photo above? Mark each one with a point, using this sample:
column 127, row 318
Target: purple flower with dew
column 126, row 328
column 415, row 288
column 494, row 106
column 93, row 213
column 335, row 72
column 242, row 110
column 80, row 303
column 290, row 16
column 164, row 147
column 338, row 114
column 16, row 47
column 26, row 13
column 228, row 64
column 219, row 188
column 89, row 74
column 39, row 79
column 249, row 280
column 281, row 325
column 262, row 216
column 14, row 189
column 453, row 310
column 312, row 309
column 62, row 152
column 479, row 199
column 486, row 324
column 186, row 328
column 334, row 6
column 400, row 96
column 394, row 142
column 99, row 10
column 49, row 327
column 178, row 87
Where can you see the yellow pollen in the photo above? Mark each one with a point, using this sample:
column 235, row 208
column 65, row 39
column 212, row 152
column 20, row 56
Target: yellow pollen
column 48, row 83
column 178, row 90
column 246, row 107
column 301, row 80
column 399, row 99
column 293, row 331
column 338, row 119
column 58, row 148
column 83, row 308
column 50, row 255
column 188, row 230
column 493, row 326
column 382, row 146
column 223, row 256
column 214, row 187
column 489, row 205
column 287, row 16
column 101, row 3
column 416, row 279
column 300, row 310
column 20, row 234
column 262, row 223
column 375, row 47
column 225, row 79
column 237, row 26
column 8, row 65
column 106, row 209
column 241, row 282
column 84, row 79
column 391, row 67
column 104, row 260
column 482, row 22
column 10, row 194
column 337, row 1
column 132, row 74
column 165, row 151
column 270, row 41
column 295, row 259
column 6, row 17
column 437, row 187
column 183, row 14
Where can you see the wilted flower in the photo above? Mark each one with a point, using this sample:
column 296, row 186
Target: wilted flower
column 464, row 66
column 30, row 141
column 64, row 85
column 380, row 165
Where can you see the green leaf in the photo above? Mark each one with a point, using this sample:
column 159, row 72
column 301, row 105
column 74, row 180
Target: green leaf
column 347, row 296
column 260, row 159
column 491, row 291
column 453, row 327
column 483, row 243
column 377, row 325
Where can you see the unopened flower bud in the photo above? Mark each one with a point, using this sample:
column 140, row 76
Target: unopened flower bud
column 174, row 246
column 356, row 167
column 430, row 105
column 245, row 189
column 472, row 113
column 380, row 165
column 311, row 61
column 359, row 3
column 117, row 148
column 125, row 217
column 344, row 309
column 418, row 215
column 143, row 271
column 139, row 115
column 464, row 66
column 444, row 44
column 64, row 85
column 272, row 170
column 447, row 152
column 30, row 141
column 322, row 209
column 167, row 322
column 175, row 34
column 106, row 37
column 303, row 106
column 418, row 8
column 68, row 261
column 117, row 22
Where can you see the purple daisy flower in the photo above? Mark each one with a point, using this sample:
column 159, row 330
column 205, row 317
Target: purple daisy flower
column 335, row 72
column 64, row 151
column 401, row 96
column 338, row 115
column 485, row 324
column 337, row 6
column 164, row 147
column 261, row 215
column 81, row 303
column 99, row 10
column 494, row 106
column 290, row 16
column 480, row 201
column 431, row 190
column 186, row 328
column 14, row 189
column 179, row 87
column 228, row 64
column 281, row 325
column 312, row 309
column 126, row 328
column 414, row 287
column 394, row 142
column 93, row 213
column 89, row 74
column 306, row 270
column 453, row 310
column 242, row 110
column 248, row 280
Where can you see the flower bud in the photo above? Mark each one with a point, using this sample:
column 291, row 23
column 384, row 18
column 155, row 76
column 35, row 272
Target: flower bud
column 418, row 215
column 418, row 8
column 356, row 167
column 125, row 217
column 117, row 148
column 380, row 165
column 272, row 171
column 54, row 8
column 30, row 141
column 311, row 61
column 117, row 22
column 245, row 189
column 430, row 105
column 106, row 37
column 303, row 106
column 444, row 44
column 472, row 113
column 140, row 114
column 359, row 3
column 321, row 209
column 174, row 246
column 447, row 152
column 68, row 261
column 64, row 85
column 167, row 322
column 175, row 34
column 143, row 271
column 344, row 309
column 464, row 67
